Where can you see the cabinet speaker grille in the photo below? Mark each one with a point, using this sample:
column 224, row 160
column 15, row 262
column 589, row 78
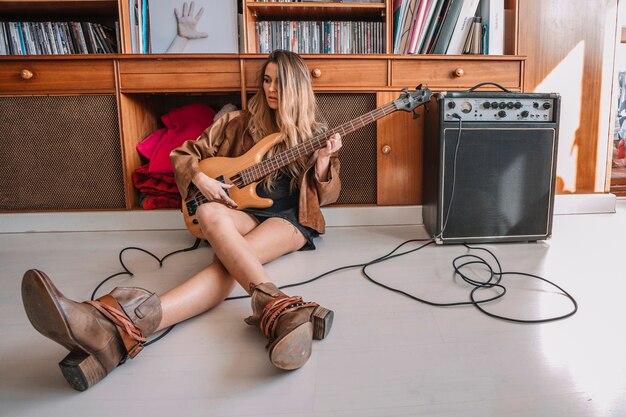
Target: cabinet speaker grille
column 358, row 154
column 60, row 153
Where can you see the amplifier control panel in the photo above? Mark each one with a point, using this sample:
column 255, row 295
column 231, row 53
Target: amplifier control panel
column 494, row 109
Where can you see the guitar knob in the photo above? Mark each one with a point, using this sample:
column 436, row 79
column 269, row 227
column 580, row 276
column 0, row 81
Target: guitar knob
column 458, row 72
column 26, row 74
column 316, row 73
column 386, row 150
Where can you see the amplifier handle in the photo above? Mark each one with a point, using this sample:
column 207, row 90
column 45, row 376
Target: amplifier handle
column 488, row 83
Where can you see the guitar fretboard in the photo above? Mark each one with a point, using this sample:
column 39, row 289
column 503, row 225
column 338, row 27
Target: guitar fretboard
column 282, row 159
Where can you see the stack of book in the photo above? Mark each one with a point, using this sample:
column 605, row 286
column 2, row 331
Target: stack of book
column 450, row 27
column 56, row 38
column 321, row 37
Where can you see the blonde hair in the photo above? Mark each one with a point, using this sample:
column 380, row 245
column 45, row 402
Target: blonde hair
column 297, row 115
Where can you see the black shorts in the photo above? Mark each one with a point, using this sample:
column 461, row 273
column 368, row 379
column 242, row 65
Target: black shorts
column 285, row 207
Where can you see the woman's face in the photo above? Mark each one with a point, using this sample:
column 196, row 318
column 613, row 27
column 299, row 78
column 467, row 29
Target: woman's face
column 270, row 85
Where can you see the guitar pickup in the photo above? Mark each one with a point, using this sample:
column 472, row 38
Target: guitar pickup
column 223, row 181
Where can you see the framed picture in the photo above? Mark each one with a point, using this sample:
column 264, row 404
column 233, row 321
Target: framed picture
column 198, row 26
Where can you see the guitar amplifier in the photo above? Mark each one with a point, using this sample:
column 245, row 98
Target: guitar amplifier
column 490, row 166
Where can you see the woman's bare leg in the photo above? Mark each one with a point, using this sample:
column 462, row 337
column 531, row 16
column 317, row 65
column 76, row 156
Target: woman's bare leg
column 268, row 241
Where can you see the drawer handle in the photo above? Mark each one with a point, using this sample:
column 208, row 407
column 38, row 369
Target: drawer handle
column 458, row 72
column 26, row 74
column 316, row 73
column 386, row 150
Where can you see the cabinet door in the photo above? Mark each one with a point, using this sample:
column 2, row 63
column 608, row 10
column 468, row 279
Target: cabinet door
column 399, row 155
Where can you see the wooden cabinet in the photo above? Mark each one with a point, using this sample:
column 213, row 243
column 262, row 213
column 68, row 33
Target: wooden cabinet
column 144, row 87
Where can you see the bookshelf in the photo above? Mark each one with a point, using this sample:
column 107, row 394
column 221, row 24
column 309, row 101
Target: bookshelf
column 357, row 13
column 143, row 87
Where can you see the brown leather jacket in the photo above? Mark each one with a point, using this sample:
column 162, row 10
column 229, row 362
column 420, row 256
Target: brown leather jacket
column 229, row 137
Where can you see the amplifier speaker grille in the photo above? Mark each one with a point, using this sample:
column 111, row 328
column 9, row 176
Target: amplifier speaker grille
column 503, row 184
column 60, row 153
column 358, row 154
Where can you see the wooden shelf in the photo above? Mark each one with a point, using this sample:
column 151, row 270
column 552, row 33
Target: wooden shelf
column 317, row 11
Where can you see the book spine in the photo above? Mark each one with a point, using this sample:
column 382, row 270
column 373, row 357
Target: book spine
column 462, row 27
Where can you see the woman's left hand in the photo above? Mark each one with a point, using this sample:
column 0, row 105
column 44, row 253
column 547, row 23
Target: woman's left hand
column 333, row 144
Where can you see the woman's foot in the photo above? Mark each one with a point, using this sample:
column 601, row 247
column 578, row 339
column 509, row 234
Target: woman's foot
column 289, row 323
column 100, row 335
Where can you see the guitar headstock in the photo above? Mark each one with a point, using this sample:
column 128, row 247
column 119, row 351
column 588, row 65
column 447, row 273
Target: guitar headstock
column 410, row 100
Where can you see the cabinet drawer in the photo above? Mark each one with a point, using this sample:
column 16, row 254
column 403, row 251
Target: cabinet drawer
column 333, row 73
column 456, row 73
column 179, row 75
column 56, row 76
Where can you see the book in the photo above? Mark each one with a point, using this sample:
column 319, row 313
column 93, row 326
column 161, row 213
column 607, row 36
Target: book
column 418, row 24
column 397, row 13
column 433, row 25
column 492, row 13
column 212, row 28
column 462, row 27
column 473, row 43
column 447, row 27
column 407, row 21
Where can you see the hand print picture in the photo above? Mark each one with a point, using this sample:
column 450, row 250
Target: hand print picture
column 199, row 26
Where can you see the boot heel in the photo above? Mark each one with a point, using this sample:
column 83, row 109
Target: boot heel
column 81, row 369
column 322, row 322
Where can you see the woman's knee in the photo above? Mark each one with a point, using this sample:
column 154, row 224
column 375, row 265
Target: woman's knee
column 212, row 214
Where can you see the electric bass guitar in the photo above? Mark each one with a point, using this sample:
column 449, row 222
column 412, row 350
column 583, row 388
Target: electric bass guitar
column 247, row 170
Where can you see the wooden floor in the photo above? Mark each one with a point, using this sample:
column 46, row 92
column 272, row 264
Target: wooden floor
column 386, row 355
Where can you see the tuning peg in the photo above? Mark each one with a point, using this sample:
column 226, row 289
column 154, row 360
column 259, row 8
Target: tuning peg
column 405, row 90
column 415, row 115
column 419, row 87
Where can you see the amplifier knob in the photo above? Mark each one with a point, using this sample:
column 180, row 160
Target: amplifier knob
column 536, row 105
column 518, row 105
column 502, row 105
column 494, row 104
column 451, row 104
column 524, row 114
column 546, row 105
column 510, row 105
column 502, row 113
column 486, row 104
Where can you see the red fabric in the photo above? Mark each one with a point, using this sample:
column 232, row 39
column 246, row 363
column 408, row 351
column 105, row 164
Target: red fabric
column 621, row 152
column 181, row 124
column 158, row 190
column 151, row 202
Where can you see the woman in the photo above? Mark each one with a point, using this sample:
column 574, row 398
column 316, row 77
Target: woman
column 101, row 334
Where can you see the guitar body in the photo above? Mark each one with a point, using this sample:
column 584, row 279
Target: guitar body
column 245, row 197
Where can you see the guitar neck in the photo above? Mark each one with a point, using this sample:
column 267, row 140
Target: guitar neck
column 267, row 166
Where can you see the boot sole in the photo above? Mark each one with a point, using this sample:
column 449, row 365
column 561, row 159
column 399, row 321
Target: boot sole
column 294, row 349
column 40, row 297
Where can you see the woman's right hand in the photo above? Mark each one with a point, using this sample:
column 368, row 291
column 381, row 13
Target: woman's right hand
column 213, row 190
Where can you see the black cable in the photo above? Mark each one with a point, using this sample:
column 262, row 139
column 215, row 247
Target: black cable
column 129, row 273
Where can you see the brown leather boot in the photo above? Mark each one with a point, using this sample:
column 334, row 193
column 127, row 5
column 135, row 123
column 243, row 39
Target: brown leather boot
column 289, row 324
column 100, row 334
